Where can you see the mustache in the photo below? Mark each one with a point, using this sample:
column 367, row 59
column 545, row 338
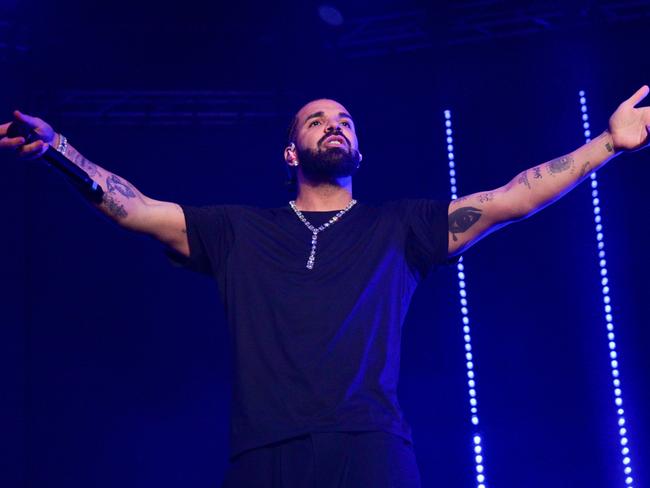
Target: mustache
column 336, row 133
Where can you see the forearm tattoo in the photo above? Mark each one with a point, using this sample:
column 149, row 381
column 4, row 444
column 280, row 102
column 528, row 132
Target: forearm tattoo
column 114, row 184
column 560, row 165
column 537, row 173
column 523, row 179
column 114, row 207
column 83, row 163
column 462, row 219
column 585, row 169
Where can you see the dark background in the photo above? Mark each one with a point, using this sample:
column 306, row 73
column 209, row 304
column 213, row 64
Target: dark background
column 114, row 363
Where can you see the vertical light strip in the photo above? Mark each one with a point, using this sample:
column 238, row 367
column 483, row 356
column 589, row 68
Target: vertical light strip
column 607, row 307
column 469, row 358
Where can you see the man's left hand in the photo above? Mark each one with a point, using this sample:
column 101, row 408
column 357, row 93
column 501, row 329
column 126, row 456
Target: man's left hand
column 630, row 126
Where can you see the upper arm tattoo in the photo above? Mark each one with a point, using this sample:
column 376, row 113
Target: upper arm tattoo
column 115, row 184
column 114, row 207
column 462, row 219
column 486, row 197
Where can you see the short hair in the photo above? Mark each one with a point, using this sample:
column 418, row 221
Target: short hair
column 293, row 127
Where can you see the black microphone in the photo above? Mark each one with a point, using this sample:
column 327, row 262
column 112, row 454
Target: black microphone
column 74, row 173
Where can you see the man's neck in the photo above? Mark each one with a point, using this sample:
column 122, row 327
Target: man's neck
column 323, row 197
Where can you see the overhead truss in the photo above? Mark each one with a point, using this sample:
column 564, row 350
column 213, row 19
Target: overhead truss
column 155, row 107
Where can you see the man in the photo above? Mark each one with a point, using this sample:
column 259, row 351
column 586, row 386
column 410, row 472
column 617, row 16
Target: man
column 316, row 292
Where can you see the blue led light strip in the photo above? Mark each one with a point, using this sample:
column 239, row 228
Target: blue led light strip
column 471, row 376
column 613, row 355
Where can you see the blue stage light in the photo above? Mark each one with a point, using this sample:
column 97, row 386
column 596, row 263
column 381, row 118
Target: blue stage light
column 602, row 263
column 464, row 311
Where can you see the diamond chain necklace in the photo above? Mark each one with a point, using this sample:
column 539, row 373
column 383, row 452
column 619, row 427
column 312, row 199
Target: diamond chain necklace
column 316, row 230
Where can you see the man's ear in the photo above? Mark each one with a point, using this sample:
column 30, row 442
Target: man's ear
column 290, row 155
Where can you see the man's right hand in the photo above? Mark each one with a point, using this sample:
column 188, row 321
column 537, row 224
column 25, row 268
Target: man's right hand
column 122, row 202
column 45, row 136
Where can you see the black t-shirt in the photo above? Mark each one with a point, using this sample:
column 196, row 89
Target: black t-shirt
column 315, row 350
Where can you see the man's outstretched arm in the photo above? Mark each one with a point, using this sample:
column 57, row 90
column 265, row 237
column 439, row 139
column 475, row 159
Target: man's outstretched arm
column 474, row 216
column 122, row 202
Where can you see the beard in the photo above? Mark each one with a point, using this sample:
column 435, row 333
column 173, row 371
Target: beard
column 328, row 164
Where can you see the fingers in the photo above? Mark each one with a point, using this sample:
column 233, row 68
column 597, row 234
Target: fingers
column 640, row 94
column 33, row 150
column 28, row 119
column 24, row 151
column 11, row 142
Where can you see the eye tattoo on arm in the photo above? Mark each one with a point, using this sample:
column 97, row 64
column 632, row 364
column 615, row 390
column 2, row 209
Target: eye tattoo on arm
column 462, row 219
column 560, row 164
column 115, row 184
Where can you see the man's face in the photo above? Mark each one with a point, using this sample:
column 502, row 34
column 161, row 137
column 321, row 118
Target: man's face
column 326, row 142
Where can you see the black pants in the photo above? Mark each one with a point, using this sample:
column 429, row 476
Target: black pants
column 328, row 460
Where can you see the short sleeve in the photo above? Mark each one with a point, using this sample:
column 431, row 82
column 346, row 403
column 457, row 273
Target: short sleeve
column 209, row 234
column 427, row 239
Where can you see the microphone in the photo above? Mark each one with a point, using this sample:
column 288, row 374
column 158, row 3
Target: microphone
column 74, row 173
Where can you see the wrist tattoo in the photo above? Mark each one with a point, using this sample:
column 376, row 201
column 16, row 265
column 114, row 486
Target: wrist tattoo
column 523, row 179
column 462, row 219
column 560, row 165
column 609, row 147
column 114, row 184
